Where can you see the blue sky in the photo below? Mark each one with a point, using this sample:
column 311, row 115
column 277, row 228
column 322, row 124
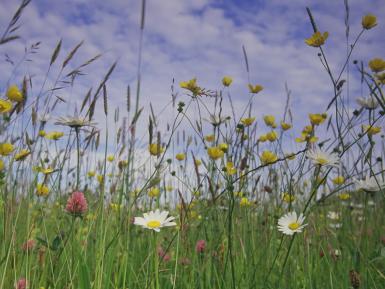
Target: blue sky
column 203, row 39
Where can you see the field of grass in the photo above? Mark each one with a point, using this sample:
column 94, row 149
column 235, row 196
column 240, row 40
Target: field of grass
column 208, row 201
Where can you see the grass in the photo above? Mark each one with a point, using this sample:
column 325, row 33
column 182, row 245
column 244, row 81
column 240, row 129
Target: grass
column 226, row 183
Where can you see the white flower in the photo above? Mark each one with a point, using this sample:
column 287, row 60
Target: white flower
column 370, row 184
column 323, row 158
column 74, row 121
column 368, row 103
column 333, row 215
column 290, row 223
column 154, row 220
column 335, row 225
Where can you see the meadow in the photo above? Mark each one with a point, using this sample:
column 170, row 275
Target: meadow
column 216, row 198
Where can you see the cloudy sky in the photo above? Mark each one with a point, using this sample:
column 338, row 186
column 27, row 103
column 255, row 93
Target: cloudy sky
column 185, row 39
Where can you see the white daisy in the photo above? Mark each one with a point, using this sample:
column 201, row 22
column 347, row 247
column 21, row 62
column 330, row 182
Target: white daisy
column 368, row 103
column 333, row 215
column 154, row 220
column 323, row 158
column 290, row 223
column 370, row 184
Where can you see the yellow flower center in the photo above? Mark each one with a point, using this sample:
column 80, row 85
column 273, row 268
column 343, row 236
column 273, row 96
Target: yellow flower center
column 153, row 224
column 322, row 161
column 293, row 226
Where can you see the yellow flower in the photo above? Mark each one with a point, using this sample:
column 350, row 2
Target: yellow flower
column 223, row 146
column 180, row 156
column 215, row 153
column 230, row 170
column 344, row 196
column 42, row 190
column 263, row 138
column 227, row 80
column 381, row 78
column 244, row 202
column 269, row 120
column 191, row 85
column 339, row 180
column 1, row 165
column 55, row 135
column 317, row 118
column 115, row 207
column 169, row 188
column 256, row 88
column 285, row 126
column 6, row 149
column 14, row 94
column 110, row 158
column 22, row 155
column 377, row 65
column 154, row 192
column 100, row 179
column 5, row 105
column 369, row 21
column 371, row 130
column 238, row 194
column 42, row 133
column 288, row 198
column 91, row 174
column 317, row 39
column 307, row 129
column 247, row 121
column 272, row 136
column 268, row 157
column 198, row 162
column 155, row 149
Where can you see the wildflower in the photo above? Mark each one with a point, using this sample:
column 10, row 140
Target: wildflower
column 230, row 170
column 5, row 105
column 42, row 190
column 197, row 162
column 209, row 138
column 323, row 158
column 317, row 118
column 247, row 121
column 1, row 165
column 285, row 126
column 14, row 94
column 368, row 103
column 74, row 121
column 333, row 215
column 227, row 80
column 20, row 156
column 224, row 147
column 191, row 85
column 268, row 157
column 317, row 39
column 21, row 284
column 200, row 246
column 262, row 138
column 290, row 223
column 369, row 21
column 244, row 202
column 339, row 180
column 272, row 136
column 42, row 133
column 55, row 135
column 288, row 198
column 344, row 196
column 269, row 120
column 76, row 204
column 115, row 207
column 110, row 158
column 370, row 184
column 100, row 179
column 216, row 120
column 6, row 149
column 371, row 130
column 377, row 65
column 28, row 245
column 256, row 88
column 154, row 192
column 155, row 149
column 215, row 153
column 154, row 220
column 180, row 156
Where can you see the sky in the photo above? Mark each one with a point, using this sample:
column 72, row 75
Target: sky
column 186, row 39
